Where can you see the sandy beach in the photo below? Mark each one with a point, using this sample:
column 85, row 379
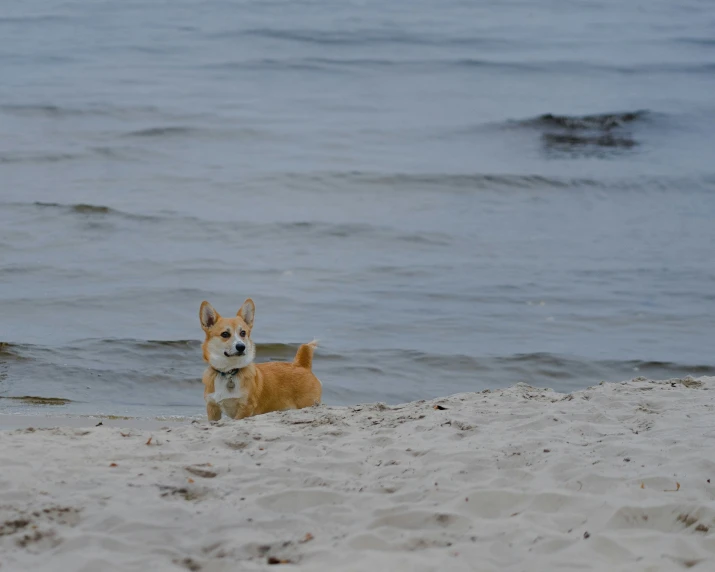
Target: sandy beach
column 614, row 477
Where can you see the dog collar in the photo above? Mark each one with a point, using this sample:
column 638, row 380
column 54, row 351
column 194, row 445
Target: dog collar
column 230, row 373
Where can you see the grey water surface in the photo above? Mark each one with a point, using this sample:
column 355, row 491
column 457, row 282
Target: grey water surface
column 449, row 195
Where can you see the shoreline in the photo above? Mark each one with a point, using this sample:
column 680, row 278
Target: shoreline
column 615, row 476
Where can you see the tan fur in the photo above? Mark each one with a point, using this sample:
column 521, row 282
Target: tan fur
column 265, row 387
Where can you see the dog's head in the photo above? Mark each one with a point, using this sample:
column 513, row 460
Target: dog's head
column 228, row 343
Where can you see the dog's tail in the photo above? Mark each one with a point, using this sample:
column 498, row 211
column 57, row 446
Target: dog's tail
column 304, row 357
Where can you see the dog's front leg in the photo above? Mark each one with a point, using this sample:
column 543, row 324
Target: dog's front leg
column 213, row 411
column 245, row 410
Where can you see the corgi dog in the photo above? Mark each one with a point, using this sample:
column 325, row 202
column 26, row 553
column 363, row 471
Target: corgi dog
column 238, row 388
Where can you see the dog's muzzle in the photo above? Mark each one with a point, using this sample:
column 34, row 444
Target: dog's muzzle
column 240, row 349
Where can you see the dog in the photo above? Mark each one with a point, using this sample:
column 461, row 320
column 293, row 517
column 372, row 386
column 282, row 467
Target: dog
column 238, row 388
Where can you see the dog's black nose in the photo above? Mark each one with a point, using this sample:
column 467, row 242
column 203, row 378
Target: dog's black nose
column 240, row 348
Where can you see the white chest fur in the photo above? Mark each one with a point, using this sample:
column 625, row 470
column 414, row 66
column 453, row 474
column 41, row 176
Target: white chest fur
column 225, row 387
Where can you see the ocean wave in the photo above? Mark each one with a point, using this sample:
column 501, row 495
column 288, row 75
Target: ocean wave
column 600, row 121
column 40, row 109
column 9, row 351
column 92, row 210
column 135, row 372
column 558, row 366
column 168, row 131
column 120, row 153
column 37, row 400
column 132, row 355
column 701, row 41
column 61, row 112
column 567, row 142
column 364, row 37
column 39, row 157
column 549, row 365
column 337, row 64
column 33, row 18
column 113, row 153
column 79, row 208
column 346, row 230
column 455, row 181
column 668, row 69
column 595, row 135
column 477, row 182
column 157, row 343
column 286, row 351
column 187, row 344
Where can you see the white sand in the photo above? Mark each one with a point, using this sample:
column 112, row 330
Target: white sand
column 520, row 479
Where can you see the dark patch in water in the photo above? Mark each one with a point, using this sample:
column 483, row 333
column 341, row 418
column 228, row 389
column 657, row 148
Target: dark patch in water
column 362, row 37
column 119, row 154
column 658, row 366
column 586, row 135
column 9, row 352
column 78, row 208
column 108, row 152
column 33, row 18
column 567, row 141
column 602, row 121
column 36, row 400
column 335, row 230
column 161, row 132
column 94, row 209
column 39, row 109
column 702, row 41
column 87, row 209
column 39, row 158
column 351, row 230
column 321, row 37
column 56, row 112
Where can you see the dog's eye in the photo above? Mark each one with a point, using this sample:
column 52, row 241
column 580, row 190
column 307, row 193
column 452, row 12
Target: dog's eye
column 226, row 335
column 243, row 333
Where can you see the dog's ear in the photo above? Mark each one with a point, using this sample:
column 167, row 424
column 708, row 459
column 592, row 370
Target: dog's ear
column 208, row 315
column 247, row 312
